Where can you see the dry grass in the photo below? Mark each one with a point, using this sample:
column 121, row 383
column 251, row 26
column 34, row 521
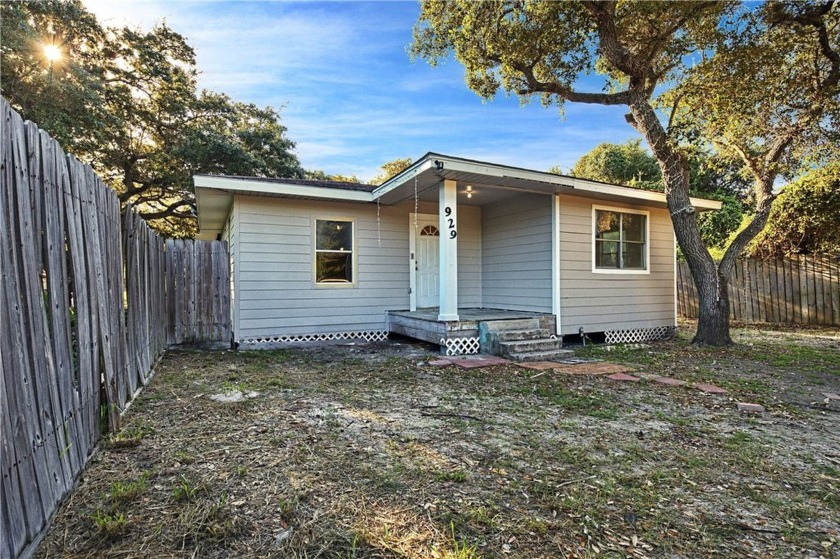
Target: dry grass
column 362, row 451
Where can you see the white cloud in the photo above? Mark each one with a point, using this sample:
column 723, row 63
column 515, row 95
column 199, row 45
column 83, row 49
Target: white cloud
column 350, row 97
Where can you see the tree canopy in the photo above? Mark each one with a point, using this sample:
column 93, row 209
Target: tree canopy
column 757, row 83
column 391, row 168
column 625, row 164
column 805, row 218
column 126, row 101
column 631, row 165
column 318, row 175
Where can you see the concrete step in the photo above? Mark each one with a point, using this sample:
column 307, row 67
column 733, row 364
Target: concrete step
column 551, row 355
column 530, row 345
column 497, row 326
column 516, row 335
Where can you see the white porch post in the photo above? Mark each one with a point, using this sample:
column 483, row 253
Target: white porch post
column 556, row 295
column 448, row 216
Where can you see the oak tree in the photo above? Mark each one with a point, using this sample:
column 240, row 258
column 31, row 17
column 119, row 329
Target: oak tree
column 126, row 101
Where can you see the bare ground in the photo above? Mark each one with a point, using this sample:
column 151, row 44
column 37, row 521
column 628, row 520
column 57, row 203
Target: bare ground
column 368, row 451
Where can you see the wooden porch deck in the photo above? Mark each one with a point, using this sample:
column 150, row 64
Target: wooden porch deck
column 423, row 324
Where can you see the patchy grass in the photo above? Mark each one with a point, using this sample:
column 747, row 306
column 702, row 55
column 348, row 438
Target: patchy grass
column 365, row 451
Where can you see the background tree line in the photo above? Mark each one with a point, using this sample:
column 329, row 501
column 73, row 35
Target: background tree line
column 804, row 219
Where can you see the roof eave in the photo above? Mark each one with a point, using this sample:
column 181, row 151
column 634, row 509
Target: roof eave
column 561, row 183
column 245, row 186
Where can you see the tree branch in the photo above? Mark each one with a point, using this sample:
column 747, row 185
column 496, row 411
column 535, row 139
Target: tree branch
column 171, row 210
column 813, row 17
column 565, row 92
column 677, row 100
column 777, row 149
column 611, row 47
column 661, row 39
column 743, row 238
column 748, row 160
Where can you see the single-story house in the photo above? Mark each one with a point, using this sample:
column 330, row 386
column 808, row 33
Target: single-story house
column 450, row 250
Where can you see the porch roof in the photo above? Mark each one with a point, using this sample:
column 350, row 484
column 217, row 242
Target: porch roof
column 488, row 181
column 494, row 180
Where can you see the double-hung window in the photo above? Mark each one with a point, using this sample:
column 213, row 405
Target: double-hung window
column 334, row 248
column 621, row 240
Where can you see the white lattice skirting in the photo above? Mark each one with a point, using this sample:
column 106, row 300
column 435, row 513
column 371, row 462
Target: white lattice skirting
column 639, row 335
column 461, row 346
column 367, row 335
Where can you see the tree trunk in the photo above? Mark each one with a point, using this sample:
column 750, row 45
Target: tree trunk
column 713, row 322
column 713, row 319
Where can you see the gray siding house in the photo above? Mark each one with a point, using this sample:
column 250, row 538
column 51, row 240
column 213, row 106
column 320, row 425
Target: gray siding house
column 440, row 249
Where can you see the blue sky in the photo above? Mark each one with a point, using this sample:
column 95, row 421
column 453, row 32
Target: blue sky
column 349, row 94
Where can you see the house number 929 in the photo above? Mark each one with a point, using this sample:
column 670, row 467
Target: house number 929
column 453, row 231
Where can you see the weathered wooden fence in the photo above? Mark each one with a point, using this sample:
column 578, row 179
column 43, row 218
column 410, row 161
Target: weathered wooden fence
column 83, row 318
column 198, row 305
column 798, row 289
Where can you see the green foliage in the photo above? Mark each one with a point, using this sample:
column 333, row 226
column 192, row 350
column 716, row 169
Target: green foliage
column 543, row 48
column 124, row 492
column 769, row 96
column 322, row 176
column 130, row 436
column 110, row 524
column 717, row 227
column 625, row 164
column 390, row 169
column 805, row 217
column 126, row 102
column 63, row 96
column 710, row 177
column 185, row 489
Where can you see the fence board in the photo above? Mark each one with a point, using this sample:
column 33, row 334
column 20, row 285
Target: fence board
column 17, row 470
column 30, row 198
column 24, row 262
column 798, row 289
column 84, row 310
column 57, row 298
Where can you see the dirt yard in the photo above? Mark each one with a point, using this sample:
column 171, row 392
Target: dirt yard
column 371, row 451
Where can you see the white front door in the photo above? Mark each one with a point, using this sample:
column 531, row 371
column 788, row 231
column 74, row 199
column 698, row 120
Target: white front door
column 427, row 263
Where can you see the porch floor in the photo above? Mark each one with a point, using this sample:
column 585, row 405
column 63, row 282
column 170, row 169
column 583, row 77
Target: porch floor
column 423, row 324
column 467, row 315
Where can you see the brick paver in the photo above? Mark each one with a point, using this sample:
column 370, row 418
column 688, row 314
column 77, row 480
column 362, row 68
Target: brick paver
column 710, row 388
column 623, row 377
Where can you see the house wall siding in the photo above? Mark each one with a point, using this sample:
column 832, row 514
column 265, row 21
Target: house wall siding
column 277, row 292
column 599, row 302
column 516, row 254
column 469, row 257
column 232, row 234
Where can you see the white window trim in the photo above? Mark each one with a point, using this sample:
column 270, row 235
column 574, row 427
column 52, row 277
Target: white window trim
column 593, row 233
column 314, row 253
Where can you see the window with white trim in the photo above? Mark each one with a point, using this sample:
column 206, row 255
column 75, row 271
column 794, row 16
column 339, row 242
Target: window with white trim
column 333, row 251
column 620, row 240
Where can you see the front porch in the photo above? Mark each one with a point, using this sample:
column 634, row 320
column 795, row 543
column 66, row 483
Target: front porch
column 476, row 330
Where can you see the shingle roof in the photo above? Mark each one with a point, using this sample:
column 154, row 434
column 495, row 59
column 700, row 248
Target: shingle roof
column 305, row 182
